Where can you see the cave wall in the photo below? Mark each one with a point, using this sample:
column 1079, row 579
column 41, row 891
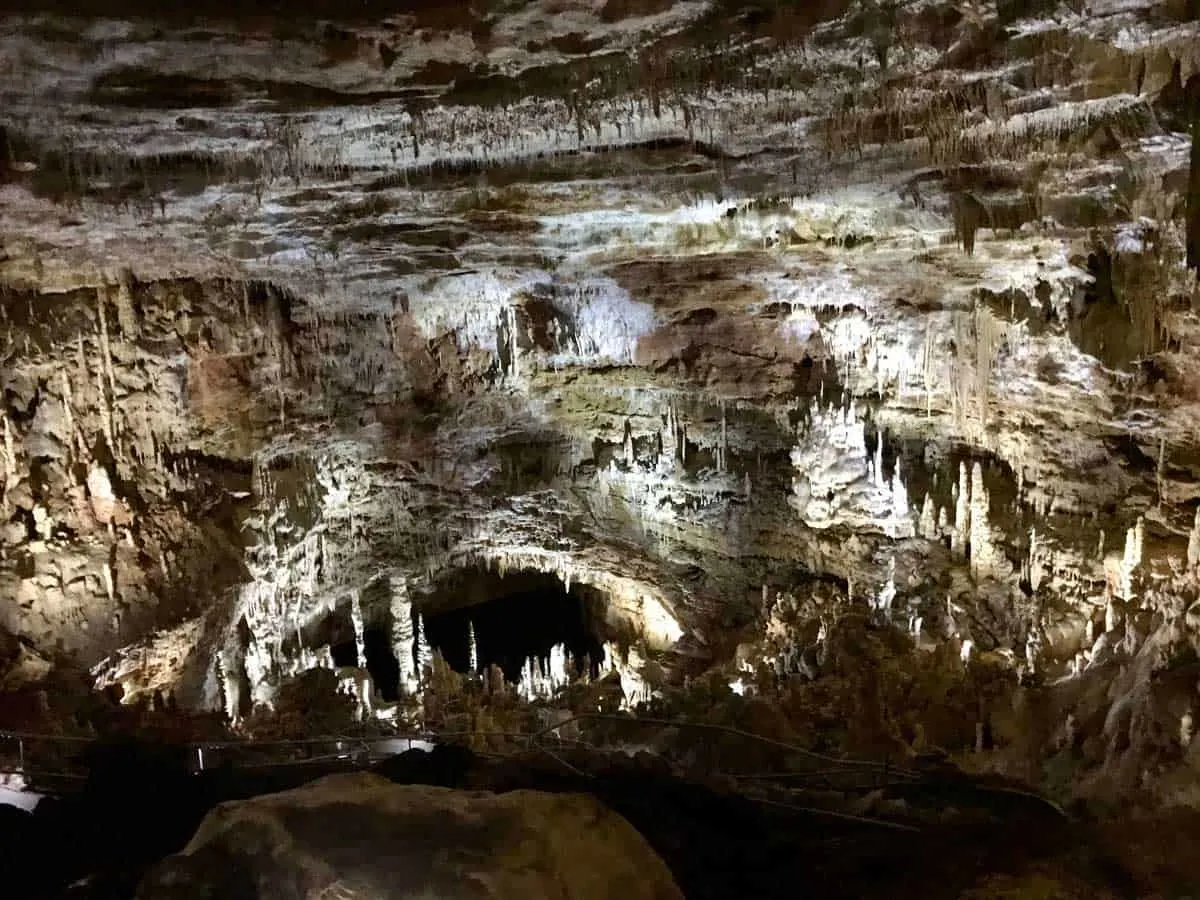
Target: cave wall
column 302, row 315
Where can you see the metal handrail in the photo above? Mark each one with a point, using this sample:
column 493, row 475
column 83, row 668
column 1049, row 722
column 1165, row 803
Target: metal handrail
column 532, row 741
column 199, row 747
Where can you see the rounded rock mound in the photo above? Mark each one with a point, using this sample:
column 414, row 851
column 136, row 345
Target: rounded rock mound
column 361, row 836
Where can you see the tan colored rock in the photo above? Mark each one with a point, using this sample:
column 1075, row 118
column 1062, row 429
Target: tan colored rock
column 362, row 836
column 105, row 505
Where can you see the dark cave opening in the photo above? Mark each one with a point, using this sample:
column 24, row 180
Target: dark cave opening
column 344, row 653
column 381, row 662
column 335, row 629
column 515, row 617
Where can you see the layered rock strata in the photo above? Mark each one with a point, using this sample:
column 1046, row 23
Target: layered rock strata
column 689, row 304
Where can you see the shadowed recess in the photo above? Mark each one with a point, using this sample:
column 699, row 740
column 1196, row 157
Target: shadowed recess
column 515, row 617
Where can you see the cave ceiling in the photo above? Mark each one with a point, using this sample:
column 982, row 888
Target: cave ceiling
column 675, row 300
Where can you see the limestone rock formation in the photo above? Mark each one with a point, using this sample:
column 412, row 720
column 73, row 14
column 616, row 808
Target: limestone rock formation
column 319, row 325
column 362, row 836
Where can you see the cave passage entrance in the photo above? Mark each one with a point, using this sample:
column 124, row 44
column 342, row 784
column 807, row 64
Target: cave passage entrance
column 516, row 616
column 381, row 662
column 336, row 630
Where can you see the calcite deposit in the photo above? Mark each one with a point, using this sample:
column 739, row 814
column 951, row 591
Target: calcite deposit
column 311, row 321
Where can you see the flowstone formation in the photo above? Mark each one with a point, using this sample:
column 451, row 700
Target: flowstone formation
column 732, row 323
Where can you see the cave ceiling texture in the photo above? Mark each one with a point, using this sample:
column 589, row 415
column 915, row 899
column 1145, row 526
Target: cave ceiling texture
column 371, row 308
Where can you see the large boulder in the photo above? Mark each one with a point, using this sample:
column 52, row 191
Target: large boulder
column 361, row 836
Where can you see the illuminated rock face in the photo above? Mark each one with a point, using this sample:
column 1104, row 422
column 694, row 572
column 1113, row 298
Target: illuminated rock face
column 508, row 845
column 301, row 317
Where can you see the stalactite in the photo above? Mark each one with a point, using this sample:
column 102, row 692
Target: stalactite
column 107, row 380
column 68, row 414
column 960, row 365
column 969, row 215
column 1193, row 197
column 990, row 332
column 723, row 455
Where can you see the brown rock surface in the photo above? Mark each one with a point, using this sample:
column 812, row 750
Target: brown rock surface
column 699, row 309
column 360, row 835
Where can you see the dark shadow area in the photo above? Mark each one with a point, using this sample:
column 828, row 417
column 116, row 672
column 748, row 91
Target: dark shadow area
column 515, row 617
column 381, row 662
column 141, row 804
column 335, row 630
column 344, row 653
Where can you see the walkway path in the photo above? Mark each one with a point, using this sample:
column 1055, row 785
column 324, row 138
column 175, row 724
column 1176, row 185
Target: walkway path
column 53, row 761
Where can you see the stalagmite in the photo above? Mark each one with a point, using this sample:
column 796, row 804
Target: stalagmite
column 1036, row 567
column 962, row 512
column 559, row 667
column 109, row 587
column 423, row 652
column 402, row 632
column 356, row 619
column 1132, row 557
column 1133, row 639
column 227, row 668
column 882, row 603
column 1193, row 547
column 986, row 558
column 8, row 459
column 472, row 649
column 927, row 527
column 1033, row 645
column 899, row 495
